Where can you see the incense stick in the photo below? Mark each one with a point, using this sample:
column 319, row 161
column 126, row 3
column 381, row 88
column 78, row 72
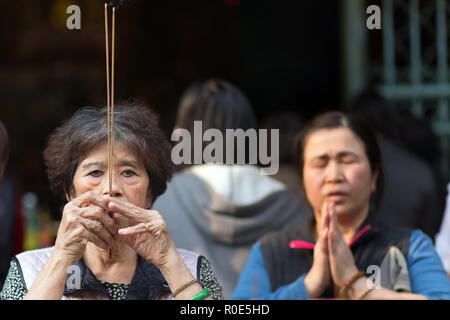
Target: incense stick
column 110, row 97
column 112, row 100
column 110, row 92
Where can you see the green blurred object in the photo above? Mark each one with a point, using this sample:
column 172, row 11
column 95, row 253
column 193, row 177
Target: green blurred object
column 29, row 203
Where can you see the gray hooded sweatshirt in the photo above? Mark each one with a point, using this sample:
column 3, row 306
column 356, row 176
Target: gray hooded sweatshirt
column 220, row 211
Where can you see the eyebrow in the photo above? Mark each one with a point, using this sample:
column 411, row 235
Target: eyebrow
column 93, row 164
column 130, row 163
column 100, row 164
column 339, row 155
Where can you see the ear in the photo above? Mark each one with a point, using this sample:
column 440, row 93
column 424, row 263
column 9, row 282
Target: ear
column 373, row 182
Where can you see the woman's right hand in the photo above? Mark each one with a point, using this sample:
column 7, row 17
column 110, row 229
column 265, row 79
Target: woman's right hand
column 319, row 276
column 84, row 220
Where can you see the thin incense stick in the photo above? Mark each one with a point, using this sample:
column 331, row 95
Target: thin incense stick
column 108, row 94
column 110, row 97
column 112, row 100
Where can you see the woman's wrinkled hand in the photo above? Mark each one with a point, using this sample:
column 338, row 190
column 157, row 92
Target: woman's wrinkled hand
column 148, row 234
column 84, row 220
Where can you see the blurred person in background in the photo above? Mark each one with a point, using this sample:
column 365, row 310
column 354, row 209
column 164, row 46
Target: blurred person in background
column 11, row 222
column 219, row 209
column 413, row 194
column 289, row 125
column 443, row 237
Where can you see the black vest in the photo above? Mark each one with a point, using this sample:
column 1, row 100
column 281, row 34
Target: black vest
column 284, row 265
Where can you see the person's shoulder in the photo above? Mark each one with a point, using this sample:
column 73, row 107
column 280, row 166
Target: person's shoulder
column 281, row 237
column 410, row 162
column 34, row 259
column 392, row 231
column 418, row 237
column 31, row 262
column 37, row 254
column 191, row 259
column 187, row 253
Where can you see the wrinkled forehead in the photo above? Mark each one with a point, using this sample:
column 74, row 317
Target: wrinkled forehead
column 124, row 152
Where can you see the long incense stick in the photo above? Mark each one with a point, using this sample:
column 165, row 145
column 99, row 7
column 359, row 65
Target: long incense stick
column 108, row 94
column 112, row 100
column 110, row 97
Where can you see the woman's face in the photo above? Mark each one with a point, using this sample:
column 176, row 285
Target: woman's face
column 130, row 179
column 336, row 169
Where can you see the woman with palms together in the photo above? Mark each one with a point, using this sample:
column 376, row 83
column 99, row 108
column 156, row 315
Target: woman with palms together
column 328, row 257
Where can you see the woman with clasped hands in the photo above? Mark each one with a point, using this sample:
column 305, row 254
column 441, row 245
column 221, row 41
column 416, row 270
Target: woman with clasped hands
column 342, row 252
column 109, row 243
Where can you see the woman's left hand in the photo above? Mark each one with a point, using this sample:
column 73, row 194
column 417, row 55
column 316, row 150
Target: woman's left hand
column 147, row 235
column 342, row 263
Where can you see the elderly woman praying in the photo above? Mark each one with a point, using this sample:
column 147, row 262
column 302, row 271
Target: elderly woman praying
column 110, row 245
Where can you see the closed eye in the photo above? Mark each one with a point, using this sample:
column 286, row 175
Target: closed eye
column 319, row 162
column 348, row 159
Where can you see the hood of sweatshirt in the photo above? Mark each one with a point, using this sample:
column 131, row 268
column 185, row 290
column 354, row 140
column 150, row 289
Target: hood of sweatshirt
column 230, row 204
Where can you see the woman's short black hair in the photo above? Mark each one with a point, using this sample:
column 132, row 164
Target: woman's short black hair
column 134, row 125
column 360, row 127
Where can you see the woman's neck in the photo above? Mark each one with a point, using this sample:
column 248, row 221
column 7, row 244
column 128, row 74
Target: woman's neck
column 349, row 227
column 117, row 266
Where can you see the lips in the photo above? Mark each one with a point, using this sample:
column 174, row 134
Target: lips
column 336, row 195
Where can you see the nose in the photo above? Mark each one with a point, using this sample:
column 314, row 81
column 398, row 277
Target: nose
column 333, row 172
column 113, row 189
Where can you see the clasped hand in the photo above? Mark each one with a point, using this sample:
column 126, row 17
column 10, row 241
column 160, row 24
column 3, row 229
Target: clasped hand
column 100, row 220
column 333, row 259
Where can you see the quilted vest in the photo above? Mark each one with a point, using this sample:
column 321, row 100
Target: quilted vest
column 288, row 255
column 147, row 283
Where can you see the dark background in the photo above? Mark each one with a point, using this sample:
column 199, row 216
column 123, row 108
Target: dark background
column 283, row 54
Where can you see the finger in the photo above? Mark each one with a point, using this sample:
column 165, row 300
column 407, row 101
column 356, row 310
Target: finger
column 332, row 232
column 99, row 230
column 95, row 239
column 324, row 220
column 334, row 226
column 332, row 211
column 89, row 198
column 136, row 229
column 130, row 210
column 335, row 238
column 322, row 242
column 325, row 241
column 99, row 214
